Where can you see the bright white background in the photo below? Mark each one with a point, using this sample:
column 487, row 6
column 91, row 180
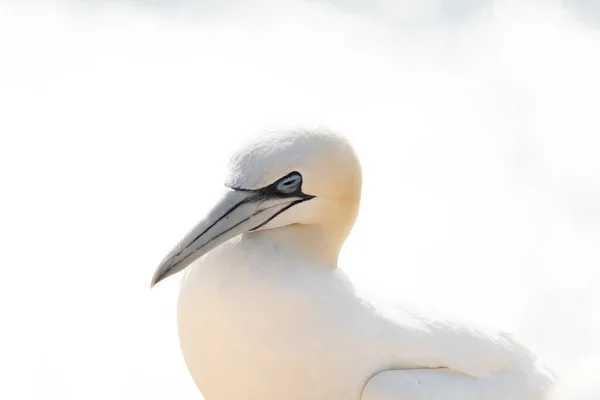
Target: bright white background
column 477, row 122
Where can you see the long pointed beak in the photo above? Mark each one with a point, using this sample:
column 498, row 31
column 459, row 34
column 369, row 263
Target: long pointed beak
column 237, row 212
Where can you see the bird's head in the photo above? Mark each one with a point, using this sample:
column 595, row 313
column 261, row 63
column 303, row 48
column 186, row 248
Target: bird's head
column 309, row 178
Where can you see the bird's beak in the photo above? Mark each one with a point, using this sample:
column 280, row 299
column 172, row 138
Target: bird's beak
column 237, row 212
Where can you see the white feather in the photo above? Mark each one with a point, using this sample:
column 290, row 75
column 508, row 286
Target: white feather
column 268, row 315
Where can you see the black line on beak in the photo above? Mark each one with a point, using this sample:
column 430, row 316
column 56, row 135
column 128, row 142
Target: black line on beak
column 233, row 208
column 261, row 194
column 293, row 203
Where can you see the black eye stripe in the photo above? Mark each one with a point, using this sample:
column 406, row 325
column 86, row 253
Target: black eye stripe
column 291, row 185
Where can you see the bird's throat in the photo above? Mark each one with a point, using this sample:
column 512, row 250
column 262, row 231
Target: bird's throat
column 312, row 242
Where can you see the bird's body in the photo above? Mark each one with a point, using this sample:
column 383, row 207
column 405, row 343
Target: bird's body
column 257, row 324
column 265, row 313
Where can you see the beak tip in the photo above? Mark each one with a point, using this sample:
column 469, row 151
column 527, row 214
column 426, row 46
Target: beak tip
column 164, row 270
column 158, row 276
column 155, row 279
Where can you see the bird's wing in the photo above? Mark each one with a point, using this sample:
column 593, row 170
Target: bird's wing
column 443, row 384
column 428, row 341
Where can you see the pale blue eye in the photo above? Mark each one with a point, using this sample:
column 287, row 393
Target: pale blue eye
column 289, row 184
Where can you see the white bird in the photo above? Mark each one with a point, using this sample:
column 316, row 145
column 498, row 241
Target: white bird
column 265, row 313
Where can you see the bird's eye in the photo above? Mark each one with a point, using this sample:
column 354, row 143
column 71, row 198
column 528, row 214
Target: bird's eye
column 289, row 184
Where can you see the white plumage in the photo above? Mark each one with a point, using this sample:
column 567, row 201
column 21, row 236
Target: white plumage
column 264, row 312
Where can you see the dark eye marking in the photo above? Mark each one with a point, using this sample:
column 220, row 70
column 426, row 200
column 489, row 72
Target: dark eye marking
column 288, row 186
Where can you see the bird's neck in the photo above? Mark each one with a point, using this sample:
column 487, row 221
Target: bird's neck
column 305, row 241
column 320, row 241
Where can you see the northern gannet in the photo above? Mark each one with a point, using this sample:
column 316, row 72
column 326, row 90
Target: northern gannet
column 265, row 313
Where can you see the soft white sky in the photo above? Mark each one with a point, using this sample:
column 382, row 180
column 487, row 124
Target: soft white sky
column 477, row 123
